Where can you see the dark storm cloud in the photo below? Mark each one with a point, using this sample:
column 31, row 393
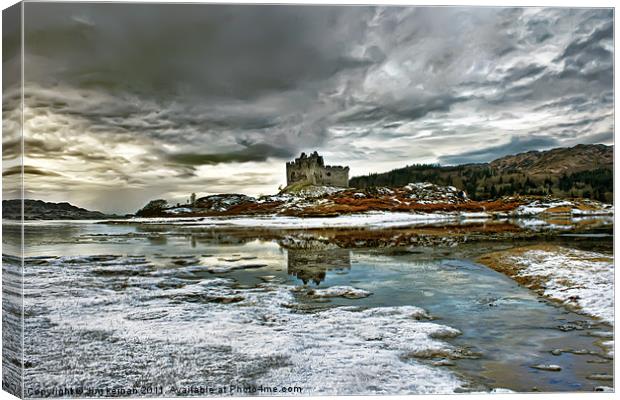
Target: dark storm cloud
column 601, row 137
column 590, row 43
column 403, row 110
column 28, row 170
column 215, row 50
column 516, row 145
column 35, row 148
column 190, row 95
column 187, row 74
column 587, row 58
column 253, row 152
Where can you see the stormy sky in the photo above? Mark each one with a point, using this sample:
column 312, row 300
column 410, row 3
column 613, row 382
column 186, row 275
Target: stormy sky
column 130, row 102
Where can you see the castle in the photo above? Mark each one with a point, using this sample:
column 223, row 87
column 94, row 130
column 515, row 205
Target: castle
column 311, row 169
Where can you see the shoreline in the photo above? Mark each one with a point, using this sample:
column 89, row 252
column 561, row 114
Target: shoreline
column 580, row 281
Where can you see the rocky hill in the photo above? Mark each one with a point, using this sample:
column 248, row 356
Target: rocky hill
column 558, row 161
column 38, row 209
column 422, row 198
column 581, row 171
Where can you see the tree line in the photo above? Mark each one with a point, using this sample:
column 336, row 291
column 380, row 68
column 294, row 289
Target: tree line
column 482, row 182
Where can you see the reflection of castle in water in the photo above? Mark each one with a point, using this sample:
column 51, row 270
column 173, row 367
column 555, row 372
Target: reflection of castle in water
column 312, row 265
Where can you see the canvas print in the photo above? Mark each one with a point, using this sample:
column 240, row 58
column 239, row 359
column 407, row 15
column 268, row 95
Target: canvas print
column 293, row 200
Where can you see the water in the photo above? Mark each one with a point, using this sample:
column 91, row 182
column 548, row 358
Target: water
column 139, row 308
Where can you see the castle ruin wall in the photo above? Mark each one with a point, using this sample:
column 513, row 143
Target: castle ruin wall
column 311, row 169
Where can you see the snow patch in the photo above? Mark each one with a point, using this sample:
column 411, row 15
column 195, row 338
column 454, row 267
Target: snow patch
column 341, row 350
column 370, row 219
column 348, row 292
column 576, row 277
column 180, row 210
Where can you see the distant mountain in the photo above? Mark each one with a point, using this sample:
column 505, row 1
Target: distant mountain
column 579, row 171
column 38, row 209
column 558, row 161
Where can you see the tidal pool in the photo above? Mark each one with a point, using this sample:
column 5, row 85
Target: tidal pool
column 130, row 306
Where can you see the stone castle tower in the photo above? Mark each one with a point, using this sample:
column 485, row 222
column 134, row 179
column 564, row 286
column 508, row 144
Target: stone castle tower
column 312, row 169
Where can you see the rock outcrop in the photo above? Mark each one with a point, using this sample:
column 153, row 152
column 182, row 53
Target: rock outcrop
column 38, row 209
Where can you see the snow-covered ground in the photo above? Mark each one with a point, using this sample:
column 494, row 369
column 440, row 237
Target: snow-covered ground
column 341, row 350
column 178, row 210
column 370, row 219
column 538, row 207
column 428, row 193
column 575, row 277
column 309, row 192
column 584, row 207
column 341, row 291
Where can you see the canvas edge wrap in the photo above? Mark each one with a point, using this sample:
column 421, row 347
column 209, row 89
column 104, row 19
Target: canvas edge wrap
column 13, row 190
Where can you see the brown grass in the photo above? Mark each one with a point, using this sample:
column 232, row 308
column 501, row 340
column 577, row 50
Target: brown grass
column 586, row 207
column 252, row 208
column 348, row 205
column 559, row 210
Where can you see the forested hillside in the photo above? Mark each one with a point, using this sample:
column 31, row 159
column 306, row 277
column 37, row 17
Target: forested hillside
column 581, row 171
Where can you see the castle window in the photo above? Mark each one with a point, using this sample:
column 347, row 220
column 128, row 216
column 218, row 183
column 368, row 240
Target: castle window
column 329, row 174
